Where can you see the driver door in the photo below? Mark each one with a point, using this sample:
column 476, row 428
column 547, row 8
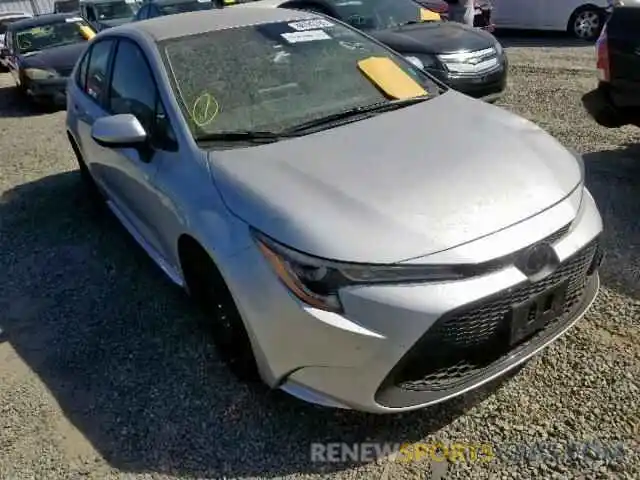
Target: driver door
column 130, row 173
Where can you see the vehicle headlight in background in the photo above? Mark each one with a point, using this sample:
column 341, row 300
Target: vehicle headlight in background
column 40, row 74
column 423, row 61
column 317, row 282
column 499, row 48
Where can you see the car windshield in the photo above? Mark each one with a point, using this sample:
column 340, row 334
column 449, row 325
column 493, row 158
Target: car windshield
column 57, row 34
column 115, row 10
column 377, row 14
column 275, row 76
column 182, row 7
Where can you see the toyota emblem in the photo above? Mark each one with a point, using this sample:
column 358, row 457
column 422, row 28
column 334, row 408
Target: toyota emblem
column 537, row 258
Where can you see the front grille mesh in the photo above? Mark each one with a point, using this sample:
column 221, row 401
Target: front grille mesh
column 460, row 347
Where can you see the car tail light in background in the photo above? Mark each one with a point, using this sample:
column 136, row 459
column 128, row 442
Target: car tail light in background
column 602, row 52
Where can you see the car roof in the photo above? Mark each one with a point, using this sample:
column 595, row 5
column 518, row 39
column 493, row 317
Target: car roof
column 260, row 4
column 40, row 20
column 194, row 23
column 173, row 2
column 93, row 2
column 15, row 15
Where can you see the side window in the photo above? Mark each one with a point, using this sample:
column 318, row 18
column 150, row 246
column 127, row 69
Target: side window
column 81, row 75
column 97, row 71
column 143, row 13
column 153, row 11
column 133, row 90
column 91, row 15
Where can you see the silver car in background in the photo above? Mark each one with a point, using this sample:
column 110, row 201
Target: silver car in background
column 348, row 244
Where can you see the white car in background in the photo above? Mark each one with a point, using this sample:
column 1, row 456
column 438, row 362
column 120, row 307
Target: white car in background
column 582, row 18
column 5, row 19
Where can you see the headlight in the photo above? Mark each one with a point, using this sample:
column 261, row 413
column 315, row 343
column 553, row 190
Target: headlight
column 317, row 282
column 416, row 61
column 39, row 74
column 499, row 48
column 423, row 61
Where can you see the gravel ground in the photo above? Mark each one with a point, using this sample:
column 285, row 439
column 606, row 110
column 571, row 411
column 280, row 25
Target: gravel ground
column 104, row 371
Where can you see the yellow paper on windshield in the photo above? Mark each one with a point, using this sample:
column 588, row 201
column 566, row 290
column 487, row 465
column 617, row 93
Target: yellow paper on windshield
column 87, row 32
column 390, row 78
column 427, row 15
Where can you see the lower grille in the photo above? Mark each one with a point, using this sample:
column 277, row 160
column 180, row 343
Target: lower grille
column 462, row 346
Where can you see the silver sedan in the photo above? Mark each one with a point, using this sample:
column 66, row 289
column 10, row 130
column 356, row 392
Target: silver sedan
column 358, row 235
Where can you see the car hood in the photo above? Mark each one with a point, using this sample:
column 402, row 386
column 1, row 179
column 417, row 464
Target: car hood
column 61, row 59
column 116, row 22
column 434, row 38
column 400, row 185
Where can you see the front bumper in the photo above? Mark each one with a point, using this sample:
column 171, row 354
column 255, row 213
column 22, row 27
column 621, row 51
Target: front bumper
column 487, row 86
column 50, row 92
column 404, row 347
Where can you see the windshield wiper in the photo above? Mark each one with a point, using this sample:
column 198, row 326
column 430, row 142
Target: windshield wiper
column 240, row 136
column 378, row 107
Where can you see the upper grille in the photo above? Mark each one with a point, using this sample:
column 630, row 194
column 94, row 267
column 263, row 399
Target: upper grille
column 459, row 347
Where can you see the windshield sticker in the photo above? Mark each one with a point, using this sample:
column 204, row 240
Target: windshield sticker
column 427, row 15
column 308, row 36
column 87, row 32
column 73, row 19
column 205, row 109
column 351, row 45
column 310, row 24
column 390, row 78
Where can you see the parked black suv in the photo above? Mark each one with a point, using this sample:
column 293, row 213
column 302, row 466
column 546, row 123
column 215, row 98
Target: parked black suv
column 616, row 101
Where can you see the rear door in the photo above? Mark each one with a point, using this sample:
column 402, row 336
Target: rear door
column 623, row 33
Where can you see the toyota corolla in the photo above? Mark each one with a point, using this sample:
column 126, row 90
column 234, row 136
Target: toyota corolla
column 310, row 189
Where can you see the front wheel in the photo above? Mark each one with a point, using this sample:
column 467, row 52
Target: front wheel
column 210, row 292
column 586, row 23
column 87, row 180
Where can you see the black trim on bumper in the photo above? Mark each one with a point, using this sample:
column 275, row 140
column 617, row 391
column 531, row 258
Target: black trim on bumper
column 488, row 86
column 52, row 92
column 393, row 393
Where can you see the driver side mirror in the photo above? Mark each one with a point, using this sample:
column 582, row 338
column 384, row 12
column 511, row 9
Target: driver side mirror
column 119, row 131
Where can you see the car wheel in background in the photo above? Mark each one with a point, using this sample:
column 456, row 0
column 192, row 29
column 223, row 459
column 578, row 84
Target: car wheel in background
column 586, row 22
column 208, row 289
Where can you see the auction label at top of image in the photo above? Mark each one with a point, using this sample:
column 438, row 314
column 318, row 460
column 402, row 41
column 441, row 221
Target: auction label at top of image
column 310, row 36
column 303, row 25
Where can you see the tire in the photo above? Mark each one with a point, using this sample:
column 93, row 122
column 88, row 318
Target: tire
column 209, row 291
column 89, row 183
column 586, row 23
